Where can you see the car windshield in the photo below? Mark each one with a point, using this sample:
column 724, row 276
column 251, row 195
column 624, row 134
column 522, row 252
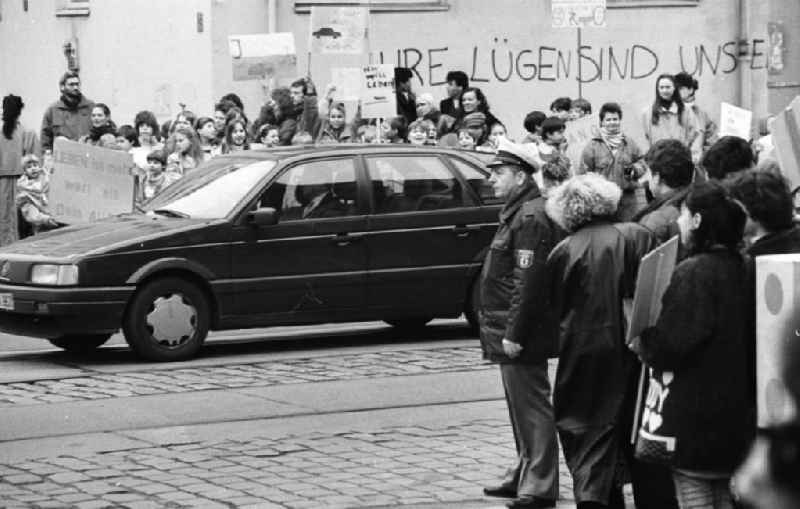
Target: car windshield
column 211, row 191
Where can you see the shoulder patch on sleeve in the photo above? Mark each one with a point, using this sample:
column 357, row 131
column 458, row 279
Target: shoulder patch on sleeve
column 523, row 257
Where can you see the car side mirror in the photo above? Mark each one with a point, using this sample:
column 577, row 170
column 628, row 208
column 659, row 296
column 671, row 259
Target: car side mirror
column 265, row 216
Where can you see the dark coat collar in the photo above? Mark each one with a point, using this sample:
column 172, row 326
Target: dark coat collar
column 517, row 197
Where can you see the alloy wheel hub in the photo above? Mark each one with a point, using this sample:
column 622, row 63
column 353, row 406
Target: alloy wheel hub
column 172, row 320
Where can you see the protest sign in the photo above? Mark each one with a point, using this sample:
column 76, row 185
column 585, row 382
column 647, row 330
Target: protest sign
column 655, row 272
column 735, row 121
column 340, row 30
column 89, row 183
column 786, row 138
column 377, row 92
column 260, row 56
column 578, row 13
column 578, row 133
column 777, row 322
column 348, row 82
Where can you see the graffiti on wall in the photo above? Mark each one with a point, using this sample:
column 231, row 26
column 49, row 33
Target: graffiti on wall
column 587, row 64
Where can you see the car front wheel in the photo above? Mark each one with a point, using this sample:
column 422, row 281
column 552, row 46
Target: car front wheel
column 167, row 320
column 79, row 343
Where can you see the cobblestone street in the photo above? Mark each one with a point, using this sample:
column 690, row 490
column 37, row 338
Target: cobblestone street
column 378, row 468
column 293, row 371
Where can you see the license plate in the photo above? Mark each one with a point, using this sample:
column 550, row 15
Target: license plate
column 7, row 301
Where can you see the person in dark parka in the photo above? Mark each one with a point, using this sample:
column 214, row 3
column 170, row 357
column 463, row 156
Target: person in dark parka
column 770, row 227
column 511, row 330
column 589, row 274
column 701, row 405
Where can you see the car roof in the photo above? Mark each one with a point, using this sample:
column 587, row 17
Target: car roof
column 303, row 151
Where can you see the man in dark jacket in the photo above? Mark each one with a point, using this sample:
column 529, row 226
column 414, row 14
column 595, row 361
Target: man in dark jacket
column 406, row 100
column 770, row 227
column 515, row 261
column 457, row 81
column 70, row 116
column 671, row 170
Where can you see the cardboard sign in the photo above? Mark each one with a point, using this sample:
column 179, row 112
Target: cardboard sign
column 348, row 81
column 260, row 56
column 578, row 133
column 89, row 183
column 377, row 92
column 735, row 121
column 786, row 138
column 655, row 272
column 777, row 323
column 341, row 30
column 578, row 13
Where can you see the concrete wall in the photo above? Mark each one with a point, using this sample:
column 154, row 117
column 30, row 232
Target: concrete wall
column 148, row 54
column 133, row 56
column 510, row 50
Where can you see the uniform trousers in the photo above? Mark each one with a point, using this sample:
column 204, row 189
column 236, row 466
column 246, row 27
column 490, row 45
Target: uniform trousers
column 527, row 389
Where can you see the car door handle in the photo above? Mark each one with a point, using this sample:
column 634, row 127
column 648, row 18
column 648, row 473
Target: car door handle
column 345, row 239
column 464, row 231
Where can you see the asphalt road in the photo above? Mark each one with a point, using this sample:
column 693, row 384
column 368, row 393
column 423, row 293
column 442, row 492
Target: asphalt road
column 340, row 415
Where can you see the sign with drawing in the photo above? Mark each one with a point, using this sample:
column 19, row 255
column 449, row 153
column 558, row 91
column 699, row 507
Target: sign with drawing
column 259, row 56
column 338, row 30
column 578, row 13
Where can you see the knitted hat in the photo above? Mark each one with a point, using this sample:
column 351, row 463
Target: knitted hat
column 475, row 119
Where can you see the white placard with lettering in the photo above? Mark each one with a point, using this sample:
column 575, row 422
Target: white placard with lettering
column 377, row 92
column 89, row 183
column 735, row 121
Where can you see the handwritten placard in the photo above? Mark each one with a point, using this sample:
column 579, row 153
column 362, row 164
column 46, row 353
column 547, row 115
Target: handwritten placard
column 89, row 183
column 735, row 121
column 377, row 92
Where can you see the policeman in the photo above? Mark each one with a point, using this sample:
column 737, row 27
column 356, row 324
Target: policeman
column 514, row 327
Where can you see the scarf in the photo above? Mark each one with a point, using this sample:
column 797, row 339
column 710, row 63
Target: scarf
column 614, row 141
column 95, row 133
column 71, row 102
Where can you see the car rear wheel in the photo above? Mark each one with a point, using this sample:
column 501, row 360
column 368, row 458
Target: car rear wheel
column 473, row 307
column 167, row 320
column 79, row 343
column 409, row 324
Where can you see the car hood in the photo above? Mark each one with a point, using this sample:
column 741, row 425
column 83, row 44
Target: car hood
column 112, row 234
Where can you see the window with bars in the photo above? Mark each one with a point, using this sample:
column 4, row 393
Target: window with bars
column 376, row 5
column 72, row 8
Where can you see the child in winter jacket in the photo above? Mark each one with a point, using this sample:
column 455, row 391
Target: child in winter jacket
column 32, row 188
column 156, row 178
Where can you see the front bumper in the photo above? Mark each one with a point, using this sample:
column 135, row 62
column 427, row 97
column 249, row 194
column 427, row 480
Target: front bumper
column 49, row 312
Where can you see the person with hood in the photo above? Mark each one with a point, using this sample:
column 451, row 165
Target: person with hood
column 671, row 171
column 770, row 227
column 426, row 108
column 668, row 118
column 588, row 275
column 70, row 115
column 517, row 250
column 687, row 88
column 700, row 412
column 617, row 158
column 32, row 189
column 16, row 142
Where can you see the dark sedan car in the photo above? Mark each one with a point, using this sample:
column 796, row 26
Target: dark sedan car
column 291, row 236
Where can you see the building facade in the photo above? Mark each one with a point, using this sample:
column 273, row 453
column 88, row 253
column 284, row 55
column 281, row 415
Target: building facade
column 160, row 55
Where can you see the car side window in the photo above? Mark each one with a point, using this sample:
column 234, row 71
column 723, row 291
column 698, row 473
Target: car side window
column 477, row 180
column 313, row 190
column 410, row 183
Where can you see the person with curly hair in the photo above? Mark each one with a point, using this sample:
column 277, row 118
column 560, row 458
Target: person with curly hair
column 15, row 143
column 589, row 274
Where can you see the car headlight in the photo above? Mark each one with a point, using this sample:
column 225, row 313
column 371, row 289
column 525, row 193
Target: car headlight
column 54, row 275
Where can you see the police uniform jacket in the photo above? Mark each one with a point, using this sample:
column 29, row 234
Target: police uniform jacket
column 512, row 292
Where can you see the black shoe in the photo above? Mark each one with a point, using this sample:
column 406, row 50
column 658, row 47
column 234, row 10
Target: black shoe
column 501, row 491
column 530, row 502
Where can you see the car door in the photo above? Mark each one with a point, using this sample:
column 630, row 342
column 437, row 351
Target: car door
column 311, row 265
column 425, row 235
